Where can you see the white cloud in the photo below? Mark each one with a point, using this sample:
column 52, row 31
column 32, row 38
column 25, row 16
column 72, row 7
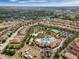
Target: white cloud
column 71, row 2
column 44, row 3
column 37, row 0
column 13, row 0
column 33, row 1
column 22, row 1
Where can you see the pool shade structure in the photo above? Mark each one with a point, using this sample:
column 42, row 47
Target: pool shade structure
column 55, row 32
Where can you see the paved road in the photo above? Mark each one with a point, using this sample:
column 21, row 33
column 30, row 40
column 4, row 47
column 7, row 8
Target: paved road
column 55, row 49
column 5, row 44
column 10, row 38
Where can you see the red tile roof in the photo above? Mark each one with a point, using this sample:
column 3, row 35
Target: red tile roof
column 69, row 55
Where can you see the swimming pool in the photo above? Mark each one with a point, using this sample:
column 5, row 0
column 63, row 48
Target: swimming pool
column 48, row 39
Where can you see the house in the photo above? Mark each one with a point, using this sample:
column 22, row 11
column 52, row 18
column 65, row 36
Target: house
column 72, row 52
column 69, row 55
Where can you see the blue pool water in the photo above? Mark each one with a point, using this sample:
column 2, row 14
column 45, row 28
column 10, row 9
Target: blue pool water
column 48, row 40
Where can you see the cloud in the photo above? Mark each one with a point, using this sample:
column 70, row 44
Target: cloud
column 37, row 0
column 44, row 3
column 51, row 2
column 13, row 0
column 71, row 2
column 33, row 1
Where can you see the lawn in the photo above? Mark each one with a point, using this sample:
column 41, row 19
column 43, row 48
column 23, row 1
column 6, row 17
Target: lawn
column 77, row 39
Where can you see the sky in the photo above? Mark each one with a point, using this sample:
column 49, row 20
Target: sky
column 39, row 2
